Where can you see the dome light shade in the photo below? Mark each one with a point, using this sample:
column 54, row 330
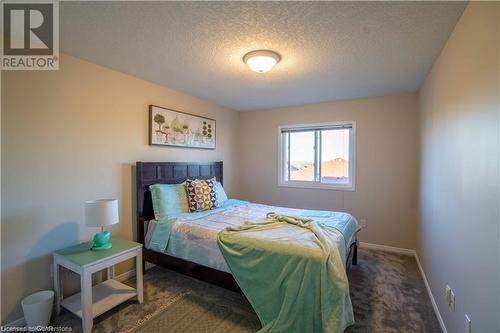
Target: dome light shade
column 261, row 61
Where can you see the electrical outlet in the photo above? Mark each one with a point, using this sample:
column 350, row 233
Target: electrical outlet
column 448, row 293
column 452, row 300
column 468, row 324
column 362, row 223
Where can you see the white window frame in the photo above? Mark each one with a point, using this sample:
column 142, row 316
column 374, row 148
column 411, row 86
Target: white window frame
column 351, row 186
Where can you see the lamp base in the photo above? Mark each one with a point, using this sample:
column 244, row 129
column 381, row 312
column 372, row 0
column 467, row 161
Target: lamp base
column 101, row 248
column 101, row 241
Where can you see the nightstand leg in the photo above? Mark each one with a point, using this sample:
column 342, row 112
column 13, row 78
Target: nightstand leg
column 138, row 273
column 57, row 286
column 86, row 292
column 111, row 272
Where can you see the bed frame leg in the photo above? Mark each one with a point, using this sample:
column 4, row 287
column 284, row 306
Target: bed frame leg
column 355, row 254
column 143, row 263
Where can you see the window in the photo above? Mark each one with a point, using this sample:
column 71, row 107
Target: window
column 318, row 155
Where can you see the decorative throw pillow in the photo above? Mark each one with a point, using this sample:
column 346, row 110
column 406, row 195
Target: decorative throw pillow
column 201, row 194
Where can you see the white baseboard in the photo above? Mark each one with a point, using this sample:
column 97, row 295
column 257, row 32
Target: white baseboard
column 149, row 265
column 131, row 274
column 431, row 296
column 125, row 276
column 386, row 248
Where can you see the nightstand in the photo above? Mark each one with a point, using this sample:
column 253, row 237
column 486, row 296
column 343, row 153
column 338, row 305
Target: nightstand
column 94, row 301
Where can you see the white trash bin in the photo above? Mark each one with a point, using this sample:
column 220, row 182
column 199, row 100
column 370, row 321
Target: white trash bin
column 37, row 308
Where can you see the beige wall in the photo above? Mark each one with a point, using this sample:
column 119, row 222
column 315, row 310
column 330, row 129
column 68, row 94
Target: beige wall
column 386, row 158
column 459, row 228
column 73, row 135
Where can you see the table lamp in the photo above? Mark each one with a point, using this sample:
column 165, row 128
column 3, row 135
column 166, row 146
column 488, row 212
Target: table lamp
column 100, row 213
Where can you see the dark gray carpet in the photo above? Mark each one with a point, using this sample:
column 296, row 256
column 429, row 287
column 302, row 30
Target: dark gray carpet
column 387, row 293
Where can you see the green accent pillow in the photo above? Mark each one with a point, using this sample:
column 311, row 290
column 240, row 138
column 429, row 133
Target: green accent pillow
column 169, row 200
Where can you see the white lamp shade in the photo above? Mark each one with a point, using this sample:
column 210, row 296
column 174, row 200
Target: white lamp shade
column 100, row 213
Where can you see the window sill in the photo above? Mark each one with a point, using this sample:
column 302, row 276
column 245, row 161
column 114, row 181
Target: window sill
column 318, row 186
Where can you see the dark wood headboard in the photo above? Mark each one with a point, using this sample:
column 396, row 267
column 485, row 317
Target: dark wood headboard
column 148, row 173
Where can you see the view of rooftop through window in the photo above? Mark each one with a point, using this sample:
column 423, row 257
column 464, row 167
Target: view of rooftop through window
column 331, row 155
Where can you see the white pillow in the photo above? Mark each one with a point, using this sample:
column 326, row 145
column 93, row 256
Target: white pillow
column 221, row 194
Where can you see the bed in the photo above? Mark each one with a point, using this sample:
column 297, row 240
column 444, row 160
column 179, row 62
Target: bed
column 200, row 233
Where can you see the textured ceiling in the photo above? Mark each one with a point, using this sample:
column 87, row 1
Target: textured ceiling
column 330, row 50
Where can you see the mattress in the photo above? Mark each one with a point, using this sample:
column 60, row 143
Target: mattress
column 193, row 236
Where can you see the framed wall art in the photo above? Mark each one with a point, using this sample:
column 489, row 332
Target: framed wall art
column 174, row 128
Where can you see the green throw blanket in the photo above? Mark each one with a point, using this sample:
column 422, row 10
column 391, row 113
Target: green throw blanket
column 292, row 272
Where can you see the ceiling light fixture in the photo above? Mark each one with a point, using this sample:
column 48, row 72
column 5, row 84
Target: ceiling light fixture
column 261, row 61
